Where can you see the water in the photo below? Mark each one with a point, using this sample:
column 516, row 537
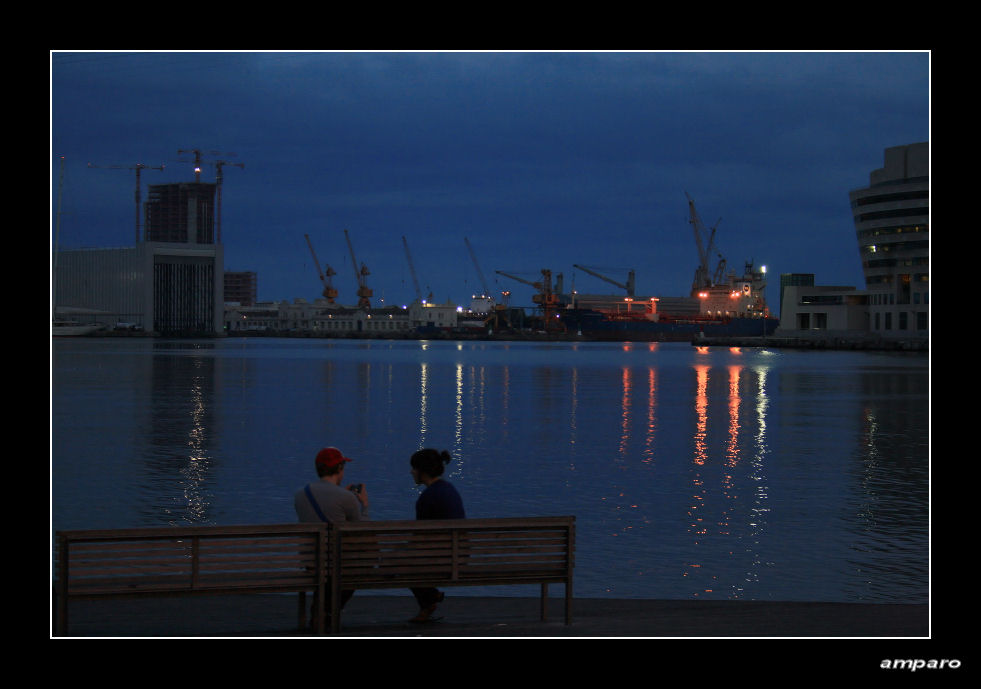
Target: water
column 693, row 473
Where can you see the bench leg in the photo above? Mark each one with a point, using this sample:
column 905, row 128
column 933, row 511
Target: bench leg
column 568, row 602
column 318, row 611
column 335, row 605
column 302, row 610
column 60, row 611
column 544, row 602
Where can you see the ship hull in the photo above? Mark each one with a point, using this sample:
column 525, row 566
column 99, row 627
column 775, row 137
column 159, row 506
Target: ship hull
column 597, row 326
column 72, row 329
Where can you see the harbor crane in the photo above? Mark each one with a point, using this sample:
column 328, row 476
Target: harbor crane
column 329, row 292
column 139, row 167
column 705, row 250
column 412, row 270
column 480, row 273
column 629, row 287
column 496, row 312
column 364, row 293
column 546, row 297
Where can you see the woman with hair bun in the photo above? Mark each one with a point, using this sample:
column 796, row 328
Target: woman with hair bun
column 440, row 500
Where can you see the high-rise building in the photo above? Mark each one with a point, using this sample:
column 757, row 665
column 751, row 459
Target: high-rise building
column 182, row 212
column 892, row 218
column 187, row 270
column 241, row 287
column 892, row 228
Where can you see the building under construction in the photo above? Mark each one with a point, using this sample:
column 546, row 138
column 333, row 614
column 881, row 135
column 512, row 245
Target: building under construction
column 181, row 213
column 241, row 287
column 170, row 283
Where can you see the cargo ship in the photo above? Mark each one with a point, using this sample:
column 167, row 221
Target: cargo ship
column 720, row 304
column 735, row 308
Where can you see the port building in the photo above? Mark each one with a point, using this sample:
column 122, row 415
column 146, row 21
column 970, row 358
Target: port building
column 322, row 318
column 170, row 283
column 891, row 217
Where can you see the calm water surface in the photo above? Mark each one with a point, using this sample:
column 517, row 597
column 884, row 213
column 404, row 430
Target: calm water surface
column 693, row 473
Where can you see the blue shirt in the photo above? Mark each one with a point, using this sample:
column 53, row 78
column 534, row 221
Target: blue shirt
column 440, row 501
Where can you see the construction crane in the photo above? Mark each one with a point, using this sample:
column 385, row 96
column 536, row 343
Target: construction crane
column 197, row 160
column 629, row 287
column 705, row 249
column 329, row 292
column 364, row 294
column 139, row 167
column 412, row 270
column 219, row 164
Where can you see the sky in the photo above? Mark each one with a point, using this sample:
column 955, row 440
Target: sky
column 541, row 160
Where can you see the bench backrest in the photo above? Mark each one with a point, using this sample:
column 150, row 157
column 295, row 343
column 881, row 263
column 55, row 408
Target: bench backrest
column 291, row 557
column 277, row 557
column 454, row 551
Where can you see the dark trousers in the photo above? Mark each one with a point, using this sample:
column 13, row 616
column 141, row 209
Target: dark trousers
column 426, row 596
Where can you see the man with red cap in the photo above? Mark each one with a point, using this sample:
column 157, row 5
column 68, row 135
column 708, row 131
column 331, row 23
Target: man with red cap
column 325, row 500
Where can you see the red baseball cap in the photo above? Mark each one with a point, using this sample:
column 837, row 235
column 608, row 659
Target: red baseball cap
column 330, row 457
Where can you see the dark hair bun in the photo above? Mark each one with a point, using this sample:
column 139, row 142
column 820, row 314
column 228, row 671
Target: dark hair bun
column 430, row 461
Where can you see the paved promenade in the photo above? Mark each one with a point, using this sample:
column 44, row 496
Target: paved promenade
column 481, row 617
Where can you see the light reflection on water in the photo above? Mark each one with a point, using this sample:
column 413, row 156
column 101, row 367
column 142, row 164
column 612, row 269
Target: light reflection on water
column 693, row 472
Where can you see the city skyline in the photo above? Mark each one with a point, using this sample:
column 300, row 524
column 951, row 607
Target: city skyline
column 539, row 159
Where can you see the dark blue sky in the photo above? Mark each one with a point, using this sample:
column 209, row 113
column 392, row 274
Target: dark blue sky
column 542, row 160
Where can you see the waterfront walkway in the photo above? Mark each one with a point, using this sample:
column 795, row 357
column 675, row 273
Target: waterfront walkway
column 381, row 616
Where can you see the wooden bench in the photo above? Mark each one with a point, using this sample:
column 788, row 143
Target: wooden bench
column 190, row 560
column 299, row 557
column 452, row 552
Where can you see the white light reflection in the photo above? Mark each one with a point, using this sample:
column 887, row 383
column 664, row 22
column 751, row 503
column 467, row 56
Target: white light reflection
column 195, row 471
column 870, row 464
column 423, row 402
column 458, row 413
column 759, row 509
